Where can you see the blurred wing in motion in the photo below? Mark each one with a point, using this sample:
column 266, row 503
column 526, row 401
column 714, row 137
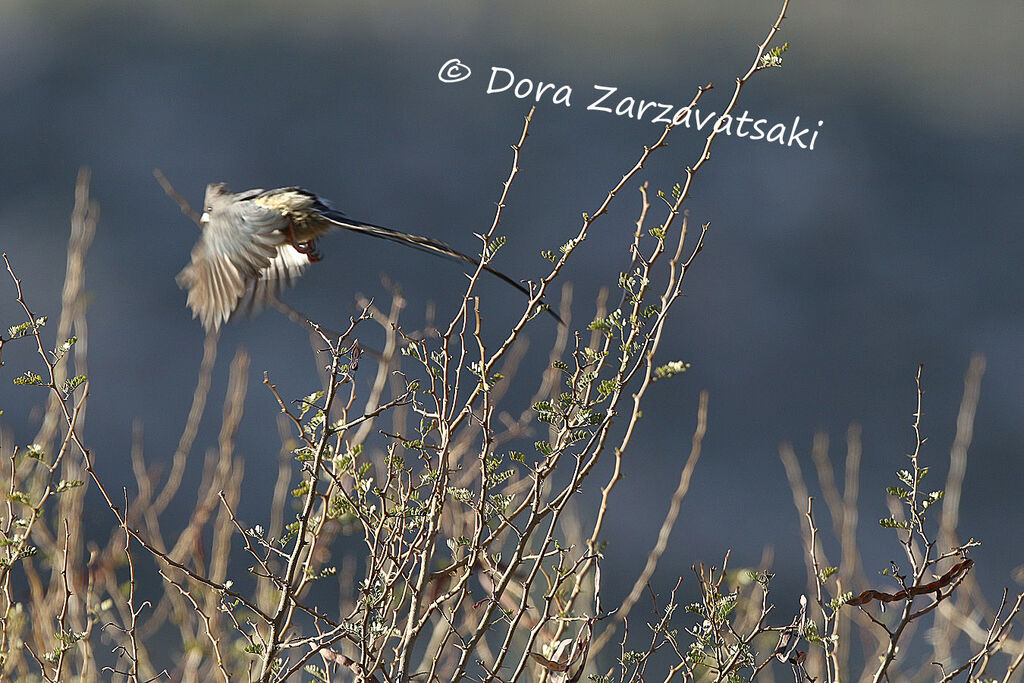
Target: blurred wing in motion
column 282, row 272
column 237, row 246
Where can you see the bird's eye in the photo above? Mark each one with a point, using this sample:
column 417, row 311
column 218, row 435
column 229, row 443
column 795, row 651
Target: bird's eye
column 208, row 209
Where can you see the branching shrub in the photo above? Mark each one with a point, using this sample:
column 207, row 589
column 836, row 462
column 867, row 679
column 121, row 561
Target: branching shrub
column 456, row 546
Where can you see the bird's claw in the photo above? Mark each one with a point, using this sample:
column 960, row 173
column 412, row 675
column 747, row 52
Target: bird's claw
column 308, row 248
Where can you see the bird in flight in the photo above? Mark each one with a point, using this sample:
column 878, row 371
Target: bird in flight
column 255, row 242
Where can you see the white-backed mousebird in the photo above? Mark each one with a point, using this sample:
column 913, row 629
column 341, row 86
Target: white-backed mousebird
column 257, row 241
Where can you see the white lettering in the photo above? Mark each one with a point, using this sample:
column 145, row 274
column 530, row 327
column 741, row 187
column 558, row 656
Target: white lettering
column 494, row 72
column 594, row 106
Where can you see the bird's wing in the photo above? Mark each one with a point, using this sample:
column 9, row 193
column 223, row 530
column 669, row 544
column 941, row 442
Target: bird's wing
column 281, row 272
column 236, row 247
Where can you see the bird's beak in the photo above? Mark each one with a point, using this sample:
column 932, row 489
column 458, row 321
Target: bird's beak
column 204, row 219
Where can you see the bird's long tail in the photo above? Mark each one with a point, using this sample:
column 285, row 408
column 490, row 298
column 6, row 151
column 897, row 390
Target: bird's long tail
column 425, row 244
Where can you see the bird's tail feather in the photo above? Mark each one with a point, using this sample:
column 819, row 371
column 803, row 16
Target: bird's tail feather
column 425, row 244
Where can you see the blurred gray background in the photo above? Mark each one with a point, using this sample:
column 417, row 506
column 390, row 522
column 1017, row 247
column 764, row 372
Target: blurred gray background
column 828, row 274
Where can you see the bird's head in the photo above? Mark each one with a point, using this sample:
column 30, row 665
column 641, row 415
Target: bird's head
column 214, row 193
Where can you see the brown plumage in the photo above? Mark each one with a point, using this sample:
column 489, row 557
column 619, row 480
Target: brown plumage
column 255, row 242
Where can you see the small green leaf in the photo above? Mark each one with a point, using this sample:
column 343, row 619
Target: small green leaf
column 670, row 369
column 67, row 485
column 18, row 331
column 29, row 379
column 70, row 385
column 18, row 497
